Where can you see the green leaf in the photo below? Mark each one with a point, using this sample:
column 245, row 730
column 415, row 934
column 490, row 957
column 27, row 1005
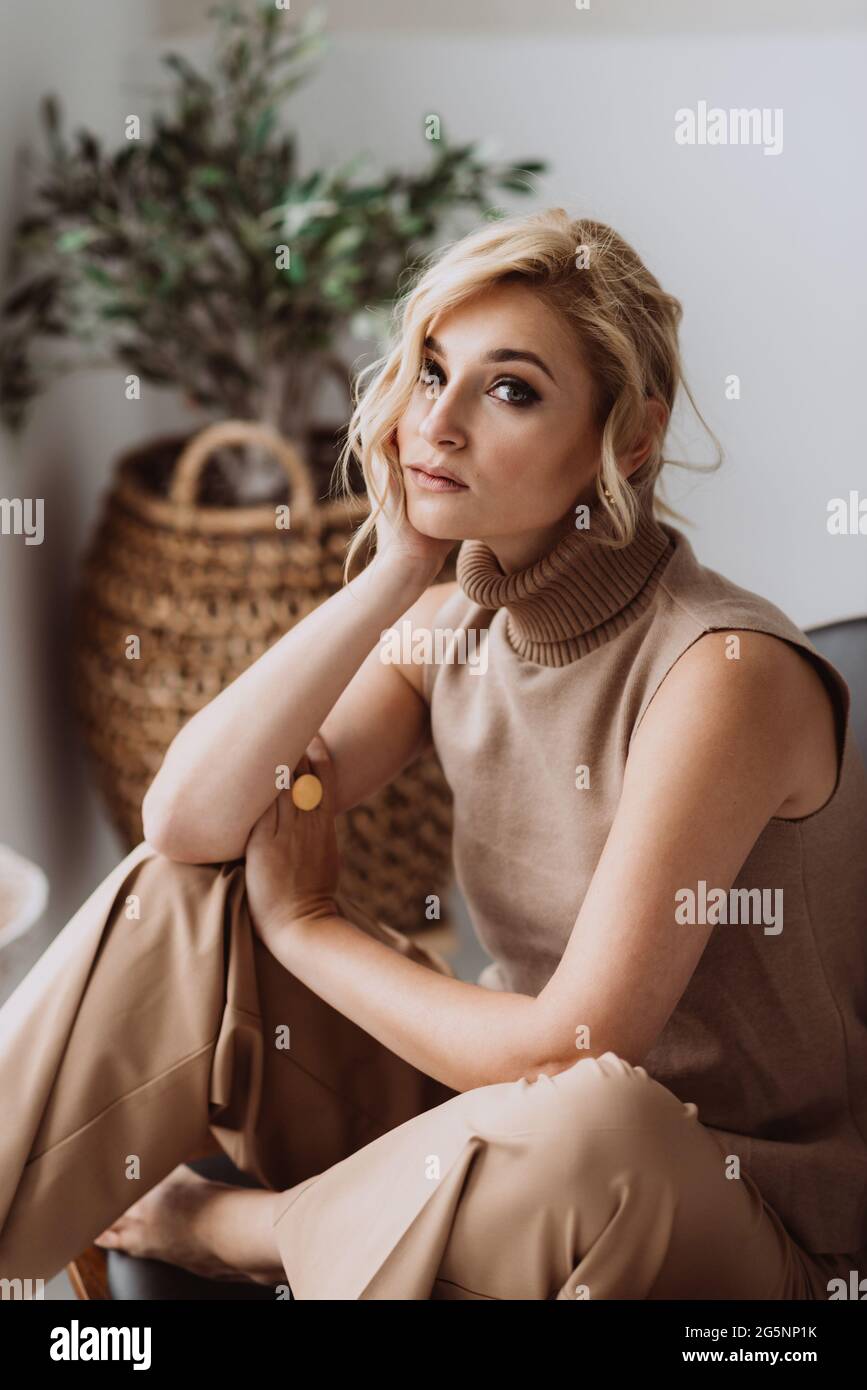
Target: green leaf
column 184, row 70
column 75, row 239
column 165, row 284
column 202, row 208
column 517, row 185
column 370, row 193
column 50, row 108
column 98, row 276
column 209, row 176
column 237, row 59
column 297, row 271
column 335, row 285
column 344, row 242
column 151, row 210
column 413, row 226
column 309, row 186
column 263, row 128
column 88, row 146
column 250, row 234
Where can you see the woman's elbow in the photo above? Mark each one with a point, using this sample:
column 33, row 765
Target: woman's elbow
column 157, row 825
column 163, row 830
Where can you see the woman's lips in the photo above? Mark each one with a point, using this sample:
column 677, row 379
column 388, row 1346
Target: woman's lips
column 431, row 482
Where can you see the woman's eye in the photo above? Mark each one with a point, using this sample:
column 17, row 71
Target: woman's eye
column 428, row 370
column 526, row 394
column 431, row 375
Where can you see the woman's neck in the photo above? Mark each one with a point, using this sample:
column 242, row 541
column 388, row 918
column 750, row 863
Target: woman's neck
column 514, row 553
column 576, row 594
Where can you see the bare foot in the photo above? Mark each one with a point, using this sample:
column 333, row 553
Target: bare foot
column 212, row 1229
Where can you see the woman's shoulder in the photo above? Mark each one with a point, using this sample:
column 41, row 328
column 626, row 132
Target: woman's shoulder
column 769, row 697
column 439, row 607
column 435, row 597
column 696, row 603
column 442, row 611
column 711, row 637
column 435, row 610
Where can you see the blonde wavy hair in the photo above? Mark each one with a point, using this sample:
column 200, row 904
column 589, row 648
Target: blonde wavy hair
column 624, row 325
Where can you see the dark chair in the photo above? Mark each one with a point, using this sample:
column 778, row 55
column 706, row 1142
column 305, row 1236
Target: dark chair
column 845, row 646
column 123, row 1277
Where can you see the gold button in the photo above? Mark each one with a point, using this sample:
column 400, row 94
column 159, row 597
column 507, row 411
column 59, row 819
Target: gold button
column 306, row 791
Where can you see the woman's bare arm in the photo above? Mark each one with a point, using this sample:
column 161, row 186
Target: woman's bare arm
column 723, row 747
column 219, row 773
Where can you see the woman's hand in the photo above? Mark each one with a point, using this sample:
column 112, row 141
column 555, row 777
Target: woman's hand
column 396, row 537
column 293, row 865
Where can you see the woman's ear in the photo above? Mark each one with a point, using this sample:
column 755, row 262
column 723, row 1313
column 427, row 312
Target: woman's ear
column 656, row 421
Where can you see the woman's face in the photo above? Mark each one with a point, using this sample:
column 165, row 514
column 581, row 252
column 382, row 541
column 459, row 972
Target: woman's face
column 504, row 404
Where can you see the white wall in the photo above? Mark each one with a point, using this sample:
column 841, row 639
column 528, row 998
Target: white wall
column 91, row 53
column 765, row 253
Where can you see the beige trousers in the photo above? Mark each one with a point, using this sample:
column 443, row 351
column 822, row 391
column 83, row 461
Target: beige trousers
column 157, row 1018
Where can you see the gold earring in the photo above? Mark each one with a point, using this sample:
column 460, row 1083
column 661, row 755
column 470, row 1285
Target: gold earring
column 609, row 496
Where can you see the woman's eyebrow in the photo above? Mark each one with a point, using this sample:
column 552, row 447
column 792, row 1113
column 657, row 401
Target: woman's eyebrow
column 498, row 355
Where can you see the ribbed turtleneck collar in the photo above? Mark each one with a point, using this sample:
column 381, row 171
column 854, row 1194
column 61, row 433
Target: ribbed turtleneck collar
column 575, row 597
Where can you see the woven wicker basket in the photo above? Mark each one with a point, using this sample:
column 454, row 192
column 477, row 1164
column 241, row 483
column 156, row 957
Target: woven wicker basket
column 207, row 589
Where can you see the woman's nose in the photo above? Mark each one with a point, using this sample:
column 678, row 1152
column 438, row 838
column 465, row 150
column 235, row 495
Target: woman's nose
column 441, row 426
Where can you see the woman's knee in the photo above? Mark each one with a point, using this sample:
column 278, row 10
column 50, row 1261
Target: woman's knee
column 170, row 888
column 600, row 1106
column 161, row 905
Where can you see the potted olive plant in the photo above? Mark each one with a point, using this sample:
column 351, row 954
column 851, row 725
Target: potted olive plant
column 196, row 255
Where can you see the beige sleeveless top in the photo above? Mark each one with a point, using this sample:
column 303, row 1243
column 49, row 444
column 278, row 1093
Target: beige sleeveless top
column 769, row 1039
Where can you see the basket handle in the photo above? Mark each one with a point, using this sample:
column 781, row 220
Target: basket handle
column 185, row 479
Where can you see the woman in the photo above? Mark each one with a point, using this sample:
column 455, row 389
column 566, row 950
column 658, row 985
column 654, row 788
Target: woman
column 657, row 1089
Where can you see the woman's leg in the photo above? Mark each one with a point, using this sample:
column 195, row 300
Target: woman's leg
column 155, row 1016
column 213, row 1229
column 596, row 1183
